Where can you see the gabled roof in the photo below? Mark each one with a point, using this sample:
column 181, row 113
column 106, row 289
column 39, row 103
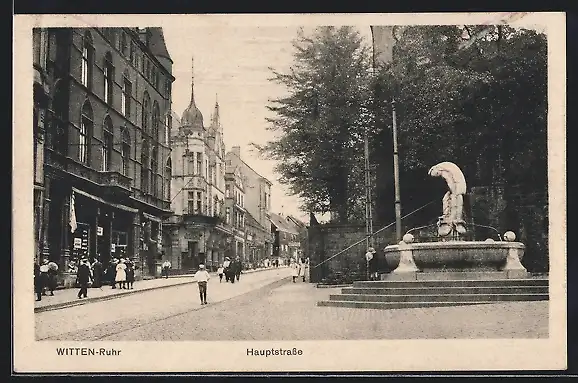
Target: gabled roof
column 281, row 223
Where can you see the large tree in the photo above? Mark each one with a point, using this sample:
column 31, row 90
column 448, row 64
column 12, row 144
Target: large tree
column 319, row 124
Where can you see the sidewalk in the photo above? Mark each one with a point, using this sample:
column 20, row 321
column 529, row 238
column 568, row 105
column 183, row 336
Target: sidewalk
column 69, row 297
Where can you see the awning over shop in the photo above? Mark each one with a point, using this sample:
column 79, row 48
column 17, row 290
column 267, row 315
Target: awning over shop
column 115, row 205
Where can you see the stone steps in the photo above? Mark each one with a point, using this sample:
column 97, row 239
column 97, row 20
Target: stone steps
column 439, row 292
column 447, row 290
column 394, row 305
column 439, row 298
column 455, row 282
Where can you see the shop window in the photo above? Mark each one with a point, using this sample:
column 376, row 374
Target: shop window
column 87, row 60
column 85, row 134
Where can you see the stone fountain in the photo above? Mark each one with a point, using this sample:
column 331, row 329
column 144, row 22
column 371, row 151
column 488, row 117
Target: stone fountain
column 451, row 256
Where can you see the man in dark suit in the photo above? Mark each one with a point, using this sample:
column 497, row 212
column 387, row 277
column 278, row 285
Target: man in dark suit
column 83, row 276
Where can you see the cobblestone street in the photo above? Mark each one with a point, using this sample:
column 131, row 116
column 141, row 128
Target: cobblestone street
column 267, row 306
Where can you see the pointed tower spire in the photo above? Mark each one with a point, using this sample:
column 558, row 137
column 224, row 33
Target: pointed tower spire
column 192, row 79
column 192, row 116
column 216, row 116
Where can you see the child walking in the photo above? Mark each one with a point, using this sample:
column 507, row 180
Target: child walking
column 202, row 277
column 220, row 272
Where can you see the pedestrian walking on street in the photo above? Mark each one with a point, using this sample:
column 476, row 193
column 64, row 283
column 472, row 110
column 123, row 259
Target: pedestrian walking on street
column 220, row 272
column 38, row 286
column 238, row 268
column 129, row 275
column 52, row 272
column 304, row 270
column 83, row 277
column 111, row 273
column 44, row 275
column 227, row 269
column 294, row 271
column 120, row 277
column 97, row 273
column 166, row 266
column 202, row 277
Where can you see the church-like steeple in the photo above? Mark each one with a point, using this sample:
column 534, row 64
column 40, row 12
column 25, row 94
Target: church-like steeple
column 216, row 120
column 192, row 116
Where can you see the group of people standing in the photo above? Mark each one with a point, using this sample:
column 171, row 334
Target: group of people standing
column 230, row 269
column 299, row 269
column 45, row 278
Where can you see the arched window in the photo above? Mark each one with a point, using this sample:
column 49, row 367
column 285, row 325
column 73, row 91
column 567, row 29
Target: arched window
column 168, row 178
column 87, row 60
column 145, row 164
column 125, row 151
column 107, row 144
column 108, row 71
column 85, row 133
column 123, row 44
column 156, row 121
column 154, row 170
column 145, row 112
column 126, row 95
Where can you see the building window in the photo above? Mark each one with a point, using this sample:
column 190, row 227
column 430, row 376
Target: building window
column 107, row 144
column 228, row 215
column 145, row 112
column 125, row 151
column 168, row 177
column 123, row 45
column 108, row 78
column 168, row 127
column 199, row 202
column 131, row 53
column 200, row 163
column 40, row 46
column 126, row 97
column 59, row 121
column 217, row 207
column 87, row 60
column 154, row 170
column 85, row 134
column 191, row 203
column 156, row 121
column 145, row 163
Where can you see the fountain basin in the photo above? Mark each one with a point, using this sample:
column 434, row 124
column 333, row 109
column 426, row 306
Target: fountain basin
column 456, row 256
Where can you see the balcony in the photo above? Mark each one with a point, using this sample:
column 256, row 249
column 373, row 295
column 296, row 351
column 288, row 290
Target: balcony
column 115, row 181
column 202, row 219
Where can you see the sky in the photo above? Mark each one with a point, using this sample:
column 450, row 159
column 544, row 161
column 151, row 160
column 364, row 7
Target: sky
column 231, row 64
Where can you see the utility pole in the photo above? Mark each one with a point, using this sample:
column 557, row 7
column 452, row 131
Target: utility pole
column 396, row 175
column 368, row 215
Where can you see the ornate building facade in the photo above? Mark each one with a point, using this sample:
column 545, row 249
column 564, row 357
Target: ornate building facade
column 235, row 207
column 257, row 204
column 199, row 228
column 103, row 99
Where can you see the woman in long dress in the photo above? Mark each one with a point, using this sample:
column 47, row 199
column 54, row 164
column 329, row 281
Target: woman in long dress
column 121, row 274
column 294, row 271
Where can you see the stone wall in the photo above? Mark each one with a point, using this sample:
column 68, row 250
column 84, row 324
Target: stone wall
column 329, row 239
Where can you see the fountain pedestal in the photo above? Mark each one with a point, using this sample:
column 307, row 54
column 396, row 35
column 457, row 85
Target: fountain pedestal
column 453, row 260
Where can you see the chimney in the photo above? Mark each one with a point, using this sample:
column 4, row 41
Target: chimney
column 236, row 151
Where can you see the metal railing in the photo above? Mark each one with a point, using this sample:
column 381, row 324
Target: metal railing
column 368, row 236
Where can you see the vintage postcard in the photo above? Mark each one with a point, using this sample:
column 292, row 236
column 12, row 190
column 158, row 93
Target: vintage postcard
column 286, row 193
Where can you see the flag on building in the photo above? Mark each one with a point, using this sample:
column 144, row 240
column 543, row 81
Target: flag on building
column 383, row 42
column 72, row 214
